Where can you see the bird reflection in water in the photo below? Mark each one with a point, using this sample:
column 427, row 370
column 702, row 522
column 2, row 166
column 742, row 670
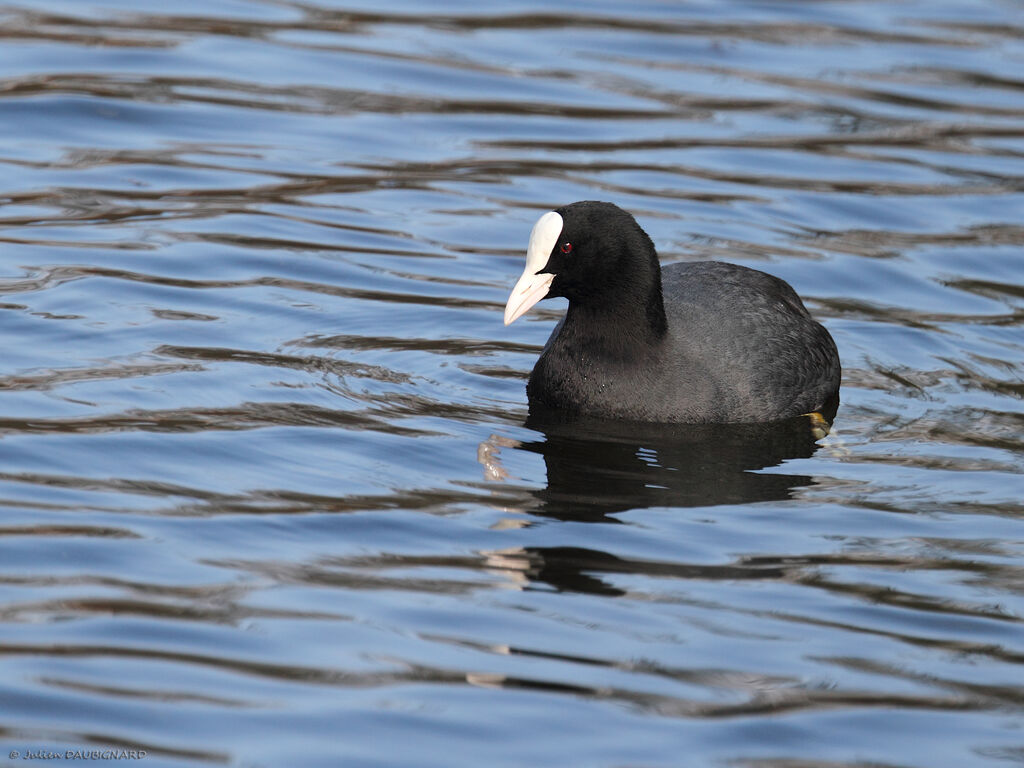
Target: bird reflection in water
column 597, row 468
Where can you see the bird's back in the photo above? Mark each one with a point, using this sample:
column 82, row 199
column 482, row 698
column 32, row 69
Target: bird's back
column 743, row 339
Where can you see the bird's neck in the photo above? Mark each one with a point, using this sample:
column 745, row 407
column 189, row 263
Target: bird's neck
column 624, row 324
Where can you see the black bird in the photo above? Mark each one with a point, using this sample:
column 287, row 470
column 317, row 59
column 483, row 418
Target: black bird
column 698, row 342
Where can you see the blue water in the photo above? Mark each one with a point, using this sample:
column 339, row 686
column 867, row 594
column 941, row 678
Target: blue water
column 268, row 491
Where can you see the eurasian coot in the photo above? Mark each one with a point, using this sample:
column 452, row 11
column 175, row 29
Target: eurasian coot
column 697, row 342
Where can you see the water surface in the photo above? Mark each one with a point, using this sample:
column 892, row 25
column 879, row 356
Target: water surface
column 269, row 491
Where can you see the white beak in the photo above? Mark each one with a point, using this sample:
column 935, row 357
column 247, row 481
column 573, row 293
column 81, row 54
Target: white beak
column 533, row 286
column 528, row 291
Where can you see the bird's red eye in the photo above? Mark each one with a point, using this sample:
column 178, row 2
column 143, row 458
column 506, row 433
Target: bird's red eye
column 566, row 247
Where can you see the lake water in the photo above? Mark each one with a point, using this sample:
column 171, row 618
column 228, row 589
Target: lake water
column 268, row 491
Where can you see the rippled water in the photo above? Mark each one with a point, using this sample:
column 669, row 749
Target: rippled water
column 269, row 494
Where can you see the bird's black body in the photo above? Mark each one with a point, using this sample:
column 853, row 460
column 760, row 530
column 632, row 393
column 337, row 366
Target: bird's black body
column 699, row 342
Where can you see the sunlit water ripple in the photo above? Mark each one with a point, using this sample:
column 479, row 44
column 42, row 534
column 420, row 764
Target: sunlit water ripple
column 269, row 491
